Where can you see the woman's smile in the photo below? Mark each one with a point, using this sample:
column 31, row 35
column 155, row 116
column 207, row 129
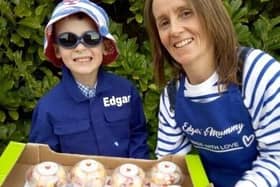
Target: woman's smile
column 183, row 43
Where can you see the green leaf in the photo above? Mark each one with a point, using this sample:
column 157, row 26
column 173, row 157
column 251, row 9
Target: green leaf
column 11, row 128
column 16, row 39
column 108, row 1
column 7, row 12
column 6, row 84
column 31, row 22
column 236, row 4
column 274, row 39
column 2, row 116
column 24, row 32
column 3, row 23
column 3, row 132
column 40, row 9
column 243, row 33
column 153, row 87
column 275, row 21
column 262, row 27
column 13, row 114
column 139, row 18
column 22, row 11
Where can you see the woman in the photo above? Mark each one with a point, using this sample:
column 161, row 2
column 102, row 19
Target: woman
column 231, row 120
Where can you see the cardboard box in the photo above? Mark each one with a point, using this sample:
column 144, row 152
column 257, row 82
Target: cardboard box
column 18, row 157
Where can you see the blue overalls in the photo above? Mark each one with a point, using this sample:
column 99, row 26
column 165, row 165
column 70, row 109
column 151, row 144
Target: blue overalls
column 222, row 133
column 112, row 123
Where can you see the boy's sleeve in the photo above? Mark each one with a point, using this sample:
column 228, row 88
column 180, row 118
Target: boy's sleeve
column 138, row 147
column 41, row 130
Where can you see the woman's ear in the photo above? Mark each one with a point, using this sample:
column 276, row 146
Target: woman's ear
column 56, row 51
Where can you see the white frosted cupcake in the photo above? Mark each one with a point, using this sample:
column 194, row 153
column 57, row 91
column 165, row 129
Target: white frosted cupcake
column 129, row 175
column 46, row 174
column 88, row 172
column 165, row 173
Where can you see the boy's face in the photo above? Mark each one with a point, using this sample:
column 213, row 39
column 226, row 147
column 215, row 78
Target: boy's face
column 81, row 60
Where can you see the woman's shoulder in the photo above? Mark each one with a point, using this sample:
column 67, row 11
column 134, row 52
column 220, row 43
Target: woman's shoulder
column 258, row 61
column 260, row 68
column 255, row 55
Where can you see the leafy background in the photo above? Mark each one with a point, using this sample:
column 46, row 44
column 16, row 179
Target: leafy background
column 25, row 75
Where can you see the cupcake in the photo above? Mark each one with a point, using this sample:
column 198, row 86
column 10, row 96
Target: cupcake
column 128, row 175
column 46, row 174
column 165, row 173
column 88, row 172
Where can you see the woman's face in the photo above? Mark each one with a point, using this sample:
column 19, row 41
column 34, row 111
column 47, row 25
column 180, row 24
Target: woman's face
column 182, row 33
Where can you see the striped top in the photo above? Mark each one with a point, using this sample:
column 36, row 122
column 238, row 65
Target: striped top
column 261, row 95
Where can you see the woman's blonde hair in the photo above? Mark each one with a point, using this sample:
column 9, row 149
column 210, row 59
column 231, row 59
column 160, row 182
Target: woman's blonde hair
column 217, row 22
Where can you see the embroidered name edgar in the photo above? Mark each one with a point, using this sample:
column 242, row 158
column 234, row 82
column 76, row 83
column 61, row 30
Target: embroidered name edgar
column 118, row 101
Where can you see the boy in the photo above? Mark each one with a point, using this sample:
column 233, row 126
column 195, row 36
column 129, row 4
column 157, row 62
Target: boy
column 90, row 111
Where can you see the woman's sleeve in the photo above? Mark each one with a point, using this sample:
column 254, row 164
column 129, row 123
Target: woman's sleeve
column 171, row 139
column 261, row 94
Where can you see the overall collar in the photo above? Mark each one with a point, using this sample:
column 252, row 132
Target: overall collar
column 72, row 89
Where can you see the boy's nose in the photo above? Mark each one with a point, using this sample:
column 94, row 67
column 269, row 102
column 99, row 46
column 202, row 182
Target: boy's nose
column 80, row 46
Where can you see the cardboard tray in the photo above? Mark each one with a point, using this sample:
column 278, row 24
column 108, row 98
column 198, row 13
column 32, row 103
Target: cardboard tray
column 18, row 157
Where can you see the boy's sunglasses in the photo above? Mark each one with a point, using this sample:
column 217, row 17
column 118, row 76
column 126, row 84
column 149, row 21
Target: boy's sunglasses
column 70, row 40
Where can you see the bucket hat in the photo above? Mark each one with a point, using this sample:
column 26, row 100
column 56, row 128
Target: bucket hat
column 95, row 12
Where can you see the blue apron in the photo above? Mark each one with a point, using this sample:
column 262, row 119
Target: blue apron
column 222, row 133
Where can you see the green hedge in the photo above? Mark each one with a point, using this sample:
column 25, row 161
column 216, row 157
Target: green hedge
column 25, row 75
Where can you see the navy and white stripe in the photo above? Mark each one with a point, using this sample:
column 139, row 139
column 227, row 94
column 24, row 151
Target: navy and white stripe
column 261, row 95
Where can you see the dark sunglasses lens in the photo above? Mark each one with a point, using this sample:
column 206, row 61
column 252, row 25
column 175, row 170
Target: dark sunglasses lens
column 92, row 38
column 67, row 39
